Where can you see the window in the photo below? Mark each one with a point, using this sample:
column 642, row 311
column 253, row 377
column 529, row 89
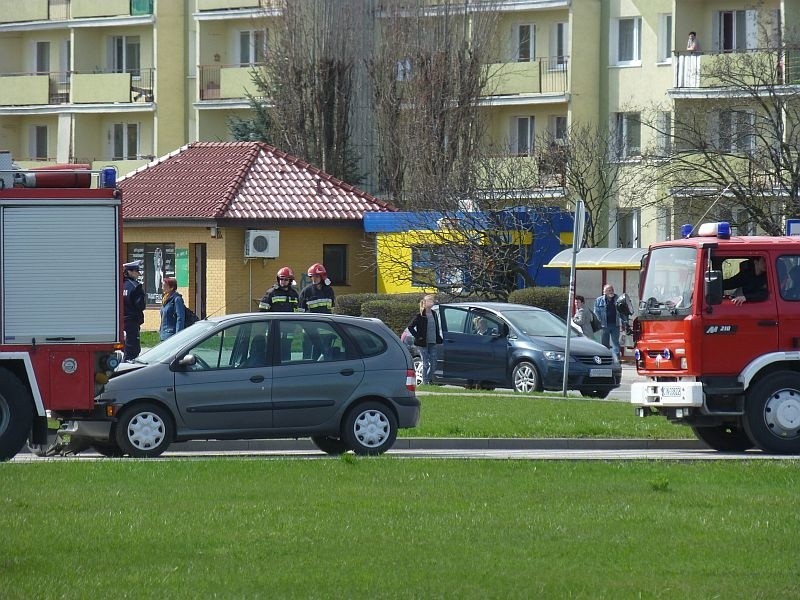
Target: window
column 310, row 341
column 526, row 43
column 665, row 38
column 628, row 134
column 423, row 266
column 437, row 266
column 522, row 136
column 626, row 41
column 241, row 346
column 369, row 343
column 404, row 70
column 730, row 30
column 664, row 133
column 125, row 141
column 628, row 228
column 558, row 128
column 558, row 45
column 788, row 269
column 734, row 130
column 334, row 257
column 664, row 224
column 38, row 149
column 124, row 54
column 42, row 58
column 252, row 47
column 158, row 261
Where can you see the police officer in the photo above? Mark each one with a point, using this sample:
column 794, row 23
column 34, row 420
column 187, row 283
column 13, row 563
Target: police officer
column 134, row 302
column 317, row 296
column 281, row 297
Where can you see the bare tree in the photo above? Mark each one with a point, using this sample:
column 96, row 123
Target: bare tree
column 304, row 105
column 734, row 136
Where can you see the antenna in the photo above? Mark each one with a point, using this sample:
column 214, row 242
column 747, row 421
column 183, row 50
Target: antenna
column 717, row 199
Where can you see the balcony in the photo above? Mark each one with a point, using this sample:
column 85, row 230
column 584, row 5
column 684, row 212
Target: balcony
column 707, row 71
column 227, row 82
column 547, row 75
column 14, row 11
column 39, row 89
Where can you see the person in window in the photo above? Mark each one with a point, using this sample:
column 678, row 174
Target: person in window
column 173, row 310
column 692, row 45
column 281, row 297
column 425, row 329
column 750, row 283
column 791, row 291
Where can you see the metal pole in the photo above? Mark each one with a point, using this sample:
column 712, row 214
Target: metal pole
column 577, row 237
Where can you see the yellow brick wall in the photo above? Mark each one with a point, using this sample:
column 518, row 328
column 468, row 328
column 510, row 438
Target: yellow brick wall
column 234, row 284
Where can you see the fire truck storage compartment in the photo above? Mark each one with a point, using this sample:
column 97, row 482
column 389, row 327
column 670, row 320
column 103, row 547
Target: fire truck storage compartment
column 60, row 271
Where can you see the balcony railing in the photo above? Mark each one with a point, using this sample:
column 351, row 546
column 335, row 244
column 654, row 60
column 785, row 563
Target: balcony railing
column 65, row 87
column 227, row 81
column 760, row 66
column 545, row 75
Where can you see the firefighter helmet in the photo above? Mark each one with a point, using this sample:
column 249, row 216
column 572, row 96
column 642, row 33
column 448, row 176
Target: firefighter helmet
column 317, row 269
column 285, row 272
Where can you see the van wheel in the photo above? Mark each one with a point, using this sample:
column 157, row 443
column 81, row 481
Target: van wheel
column 16, row 414
column 772, row 413
column 369, row 428
column 724, row 438
column 109, row 450
column 329, row 445
column 144, row 430
column 525, row 378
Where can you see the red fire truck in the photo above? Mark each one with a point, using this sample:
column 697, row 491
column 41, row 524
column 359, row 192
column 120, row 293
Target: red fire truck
column 717, row 335
column 60, row 296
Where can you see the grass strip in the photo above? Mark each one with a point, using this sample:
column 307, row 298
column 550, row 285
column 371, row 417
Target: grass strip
column 398, row 528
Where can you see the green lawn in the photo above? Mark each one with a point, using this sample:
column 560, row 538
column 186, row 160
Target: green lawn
column 492, row 414
column 398, row 528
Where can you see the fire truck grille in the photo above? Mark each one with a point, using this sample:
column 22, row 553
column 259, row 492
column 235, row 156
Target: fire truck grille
column 588, row 359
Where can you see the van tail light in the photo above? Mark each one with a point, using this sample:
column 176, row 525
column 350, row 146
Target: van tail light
column 411, row 380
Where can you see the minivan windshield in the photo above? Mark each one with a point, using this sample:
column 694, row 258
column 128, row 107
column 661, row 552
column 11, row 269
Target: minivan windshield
column 539, row 323
column 669, row 282
column 166, row 349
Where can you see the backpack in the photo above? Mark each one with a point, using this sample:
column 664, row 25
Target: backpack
column 189, row 317
column 624, row 306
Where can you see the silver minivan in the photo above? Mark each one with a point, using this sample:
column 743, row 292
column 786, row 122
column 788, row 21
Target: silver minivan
column 348, row 383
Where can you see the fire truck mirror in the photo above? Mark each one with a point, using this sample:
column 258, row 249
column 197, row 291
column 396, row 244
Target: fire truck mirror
column 713, row 287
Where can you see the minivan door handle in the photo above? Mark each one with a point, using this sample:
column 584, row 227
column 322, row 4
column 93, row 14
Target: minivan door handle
column 257, row 378
column 347, row 371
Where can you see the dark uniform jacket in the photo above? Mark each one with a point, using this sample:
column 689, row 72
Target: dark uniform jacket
column 278, row 299
column 133, row 300
column 317, row 299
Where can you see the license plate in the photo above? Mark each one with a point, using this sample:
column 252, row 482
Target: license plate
column 671, row 391
column 599, row 372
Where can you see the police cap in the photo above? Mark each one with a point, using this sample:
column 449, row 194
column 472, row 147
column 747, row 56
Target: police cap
column 134, row 265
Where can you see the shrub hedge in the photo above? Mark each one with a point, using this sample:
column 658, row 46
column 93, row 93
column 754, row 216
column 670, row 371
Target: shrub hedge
column 554, row 299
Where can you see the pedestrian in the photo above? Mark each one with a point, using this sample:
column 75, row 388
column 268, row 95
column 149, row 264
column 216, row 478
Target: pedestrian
column 133, row 303
column 692, row 44
column 583, row 316
column 281, row 297
column 605, row 307
column 317, row 296
column 425, row 329
column 173, row 310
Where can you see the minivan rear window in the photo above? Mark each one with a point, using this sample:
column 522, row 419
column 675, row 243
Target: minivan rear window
column 370, row 344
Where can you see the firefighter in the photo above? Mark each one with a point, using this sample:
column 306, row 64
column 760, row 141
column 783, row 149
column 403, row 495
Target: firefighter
column 281, row 297
column 134, row 302
column 317, row 296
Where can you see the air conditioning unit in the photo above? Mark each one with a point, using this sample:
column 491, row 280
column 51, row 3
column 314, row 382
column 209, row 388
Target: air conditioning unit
column 261, row 244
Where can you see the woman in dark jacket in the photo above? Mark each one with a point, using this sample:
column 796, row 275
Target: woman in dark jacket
column 425, row 329
column 173, row 311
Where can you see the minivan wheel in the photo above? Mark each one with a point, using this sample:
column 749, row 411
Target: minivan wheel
column 144, row 430
column 369, row 428
column 329, row 445
column 525, row 378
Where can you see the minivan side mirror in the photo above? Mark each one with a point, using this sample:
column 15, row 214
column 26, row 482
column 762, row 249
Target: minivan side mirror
column 186, row 361
column 713, row 287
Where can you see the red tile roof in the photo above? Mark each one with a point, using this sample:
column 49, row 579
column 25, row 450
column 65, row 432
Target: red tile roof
column 240, row 180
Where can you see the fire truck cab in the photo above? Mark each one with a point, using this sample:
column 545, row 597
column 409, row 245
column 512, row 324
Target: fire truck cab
column 60, row 300
column 717, row 335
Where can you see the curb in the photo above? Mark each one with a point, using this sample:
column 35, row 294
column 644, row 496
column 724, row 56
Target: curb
column 448, row 444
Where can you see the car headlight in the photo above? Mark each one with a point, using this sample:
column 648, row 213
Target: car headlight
column 552, row 355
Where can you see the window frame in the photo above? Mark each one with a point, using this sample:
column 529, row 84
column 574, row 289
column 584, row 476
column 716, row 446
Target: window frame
column 256, row 51
column 334, row 257
column 622, row 134
column 518, row 41
column 665, row 39
column 636, row 42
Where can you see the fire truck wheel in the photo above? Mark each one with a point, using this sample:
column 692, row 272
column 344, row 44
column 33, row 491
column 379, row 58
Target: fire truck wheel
column 144, row 430
column 16, row 414
column 772, row 413
column 724, row 438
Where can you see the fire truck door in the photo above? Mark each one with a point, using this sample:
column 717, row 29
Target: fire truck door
column 732, row 335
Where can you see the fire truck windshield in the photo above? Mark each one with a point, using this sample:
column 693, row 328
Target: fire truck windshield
column 669, row 282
